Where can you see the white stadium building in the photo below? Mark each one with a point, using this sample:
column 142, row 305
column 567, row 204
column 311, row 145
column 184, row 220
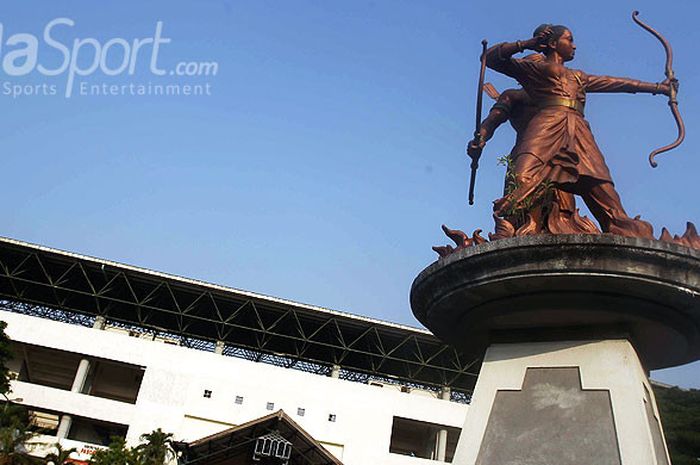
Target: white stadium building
column 104, row 349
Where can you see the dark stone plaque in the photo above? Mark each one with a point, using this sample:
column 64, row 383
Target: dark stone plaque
column 552, row 421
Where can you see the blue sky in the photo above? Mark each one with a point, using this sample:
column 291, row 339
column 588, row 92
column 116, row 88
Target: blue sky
column 331, row 147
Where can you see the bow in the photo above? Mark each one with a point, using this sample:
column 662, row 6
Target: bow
column 672, row 101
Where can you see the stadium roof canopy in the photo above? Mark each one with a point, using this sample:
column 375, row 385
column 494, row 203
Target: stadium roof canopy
column 242, row 320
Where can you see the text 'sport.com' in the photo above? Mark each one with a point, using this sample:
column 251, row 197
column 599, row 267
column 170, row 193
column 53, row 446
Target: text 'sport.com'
column 64, row 63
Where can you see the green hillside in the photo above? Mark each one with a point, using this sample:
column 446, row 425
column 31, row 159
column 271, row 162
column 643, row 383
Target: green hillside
column 680, row 416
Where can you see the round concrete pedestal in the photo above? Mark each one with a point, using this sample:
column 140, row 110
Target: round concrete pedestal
column 566, row 287
column 571, row 324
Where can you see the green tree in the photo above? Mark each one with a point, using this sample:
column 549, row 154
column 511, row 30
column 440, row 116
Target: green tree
column 14, row 433
column 680, row 416
column 5, row 356
column 15, row 420
column 116, row 454
column 157, row 448
column 60, row 456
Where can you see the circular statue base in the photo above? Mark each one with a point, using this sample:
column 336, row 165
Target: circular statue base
column 569, row 326
column 563, row 288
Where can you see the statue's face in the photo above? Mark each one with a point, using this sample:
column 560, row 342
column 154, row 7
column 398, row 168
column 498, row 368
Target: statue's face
column 565, row 46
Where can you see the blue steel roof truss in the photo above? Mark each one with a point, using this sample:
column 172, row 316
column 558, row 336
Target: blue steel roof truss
column 79, row 285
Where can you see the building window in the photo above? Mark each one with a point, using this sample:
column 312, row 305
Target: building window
column 45, row 422
column 419, row 439
column 57, row 368
column 331, row 417
column 207, row 394
column 272, row 445
column 239, row 400
column 95, row 431
column 301, row 411
column 270, row 406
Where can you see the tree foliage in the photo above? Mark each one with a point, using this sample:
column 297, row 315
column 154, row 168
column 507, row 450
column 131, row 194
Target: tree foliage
column 5, row 356
column 15, row 420
column 680, row 416
column 155, row 449
column 60, row 455
column 116, row 453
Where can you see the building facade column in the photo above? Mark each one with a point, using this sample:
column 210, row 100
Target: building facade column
column 79, row 381
column 81, row 376
column 100, row 322
column 441, row 441
column 219, row 347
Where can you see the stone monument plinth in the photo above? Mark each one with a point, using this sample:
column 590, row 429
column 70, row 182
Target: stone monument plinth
column 568, row 326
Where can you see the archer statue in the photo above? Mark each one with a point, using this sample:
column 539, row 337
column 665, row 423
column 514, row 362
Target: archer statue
column 555, row 155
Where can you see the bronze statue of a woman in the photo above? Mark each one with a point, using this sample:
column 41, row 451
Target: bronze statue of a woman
column 557, row 149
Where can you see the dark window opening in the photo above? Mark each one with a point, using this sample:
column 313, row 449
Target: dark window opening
column 95, row 431
column 38, row 421
column 114, row 380
column 301, row 411
column 57, row 369
column 332, row 417
column 270, row 406
column 44, row 366
column 207, row 394
column 239, row 400
column 420, row 439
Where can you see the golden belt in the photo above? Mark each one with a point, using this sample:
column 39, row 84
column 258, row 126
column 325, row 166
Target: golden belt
column 561, row 102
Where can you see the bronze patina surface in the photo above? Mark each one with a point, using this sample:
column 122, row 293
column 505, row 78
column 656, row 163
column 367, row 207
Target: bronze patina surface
column 555, row 156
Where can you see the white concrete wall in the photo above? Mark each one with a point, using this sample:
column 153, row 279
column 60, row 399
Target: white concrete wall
column 171, row 395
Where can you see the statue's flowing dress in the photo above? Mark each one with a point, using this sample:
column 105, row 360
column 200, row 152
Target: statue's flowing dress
column 557, row 146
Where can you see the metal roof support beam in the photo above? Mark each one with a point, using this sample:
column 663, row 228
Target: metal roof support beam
column 266, row 326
